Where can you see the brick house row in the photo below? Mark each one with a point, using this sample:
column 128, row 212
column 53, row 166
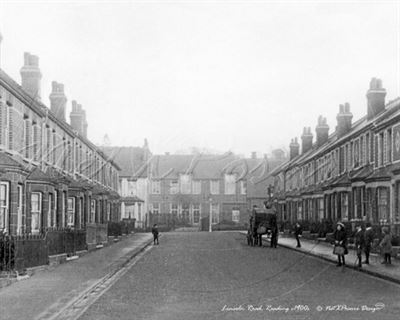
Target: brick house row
column 51, row 175
column 352, row 174
column 191, row 187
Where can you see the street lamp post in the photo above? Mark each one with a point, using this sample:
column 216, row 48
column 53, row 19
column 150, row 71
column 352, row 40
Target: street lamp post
column 210, row 218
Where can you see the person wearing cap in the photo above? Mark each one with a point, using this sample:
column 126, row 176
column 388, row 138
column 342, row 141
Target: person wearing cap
column 386, row 245
column 359, row 242
column 297, row 233
column 154, row 231
column 368, row 239
column 340, row 242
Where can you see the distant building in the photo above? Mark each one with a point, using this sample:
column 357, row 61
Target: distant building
column 190, row 187
column 133, row 181
column 186, row 188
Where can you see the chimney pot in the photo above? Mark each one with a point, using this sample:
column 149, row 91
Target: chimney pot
column 294, row 149
column 307, row 140
column 31, row 76
column 375, row 98
column 344, row 118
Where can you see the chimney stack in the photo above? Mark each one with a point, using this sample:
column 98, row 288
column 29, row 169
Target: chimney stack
column 1, row 39
column 344, row 118
column 77, row 117
column 85, row 124
column 294, row 148
column 306, row 140
column 322, row 131
column 31, row 75
column 375, row 98
column 58, row 100
column 254, row 155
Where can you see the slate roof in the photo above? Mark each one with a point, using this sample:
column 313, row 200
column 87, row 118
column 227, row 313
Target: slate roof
column 7, row 160
column 131, row 160
column 41, row 109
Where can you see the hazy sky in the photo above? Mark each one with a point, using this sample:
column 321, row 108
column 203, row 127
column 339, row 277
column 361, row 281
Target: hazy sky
column 228, row 75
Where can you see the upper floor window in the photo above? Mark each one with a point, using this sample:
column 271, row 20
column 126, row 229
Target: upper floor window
column 132, row 189
column 389, row 146
column 196, row 187
column 356, row 153
column 214, row 186
column 230, row 184
column 156, row 187
column 186, row 183
column 174, row 187
column 155, row 208
column 243, row 187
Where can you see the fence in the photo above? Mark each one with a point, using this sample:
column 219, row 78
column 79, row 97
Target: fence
column 26, row 251
column 65, row 241
column 96, row 233
column 119, row 228
column 168, row 221
column 21, row 252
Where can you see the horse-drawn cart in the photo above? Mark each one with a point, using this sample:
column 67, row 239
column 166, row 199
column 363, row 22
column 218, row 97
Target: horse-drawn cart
column 262, row 221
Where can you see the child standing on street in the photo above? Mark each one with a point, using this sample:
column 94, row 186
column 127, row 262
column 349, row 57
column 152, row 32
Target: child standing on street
column 386, row 245
column 154, row 231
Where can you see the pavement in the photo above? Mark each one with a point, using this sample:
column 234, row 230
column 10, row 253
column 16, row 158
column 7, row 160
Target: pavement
column 324, row 251
column 48, row 289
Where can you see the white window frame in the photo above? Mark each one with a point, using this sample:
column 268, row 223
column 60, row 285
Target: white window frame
column 155, row 187
column 50, row 209
column 230, row 184
column 196, row 210
column 196, row 186
column 155, row 208
column 4, row 208
column 214, row 186
column 236, row 215
column 36, row 215
column 174, row 187
column 243, row 187
column 185, row 183
column 214, row 210
column 93, row 211
column 55, row 210
column 19, row 208
column 174, row 209
column 71, row 209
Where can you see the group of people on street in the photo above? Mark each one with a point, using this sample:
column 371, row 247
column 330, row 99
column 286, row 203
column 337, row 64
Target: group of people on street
column 364, row 237
column 255, row 233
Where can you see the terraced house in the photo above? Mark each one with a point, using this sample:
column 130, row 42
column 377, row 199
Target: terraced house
column 191, row 188
column 352, row 174
column 51, row 175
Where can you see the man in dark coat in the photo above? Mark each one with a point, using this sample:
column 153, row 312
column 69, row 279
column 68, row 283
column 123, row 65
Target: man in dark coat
column 368, row 238
column 297, row 233
column 154, row 231
column 274, row 232
column 340, row 238
column 360, row 242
